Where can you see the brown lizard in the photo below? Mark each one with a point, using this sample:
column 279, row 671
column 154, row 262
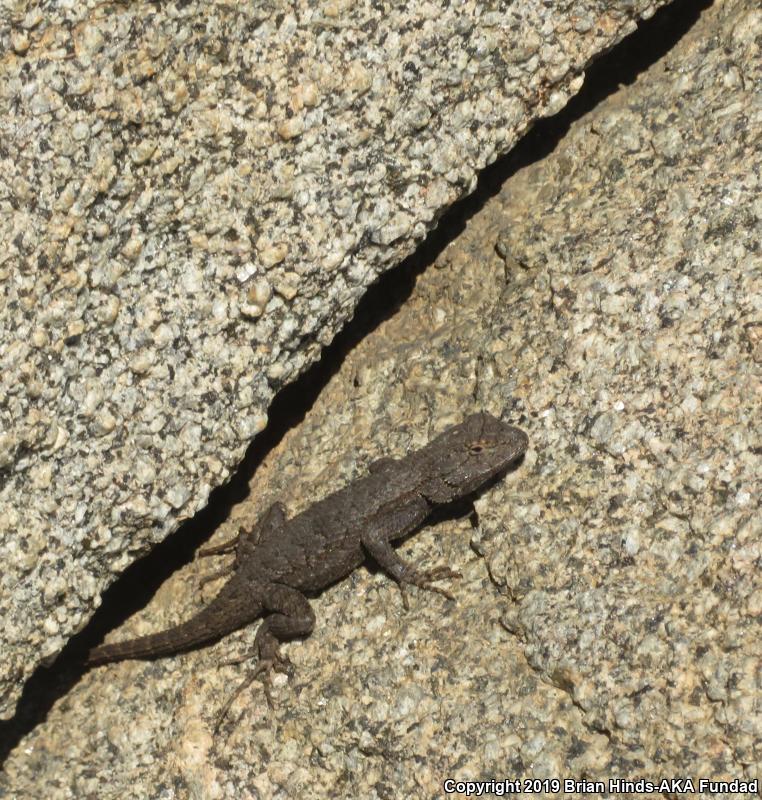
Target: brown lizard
column 280, row 560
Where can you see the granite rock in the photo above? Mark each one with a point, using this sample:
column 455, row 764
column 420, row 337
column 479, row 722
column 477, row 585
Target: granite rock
column 194, row 197
column 607, row 618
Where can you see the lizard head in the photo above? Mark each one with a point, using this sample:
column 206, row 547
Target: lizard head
column 467, row 455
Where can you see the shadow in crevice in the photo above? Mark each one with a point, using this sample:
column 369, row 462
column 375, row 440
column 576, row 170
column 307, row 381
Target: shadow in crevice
column 134, row 588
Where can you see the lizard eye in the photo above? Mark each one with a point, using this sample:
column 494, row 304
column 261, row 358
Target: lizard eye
column 475, row 449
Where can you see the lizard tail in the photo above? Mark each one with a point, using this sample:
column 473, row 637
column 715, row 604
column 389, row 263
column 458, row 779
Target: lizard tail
column 231, row 609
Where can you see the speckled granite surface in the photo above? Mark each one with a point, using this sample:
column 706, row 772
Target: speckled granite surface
column 607, row 623
column 193, row 197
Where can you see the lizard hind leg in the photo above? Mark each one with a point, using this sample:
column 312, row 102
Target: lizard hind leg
column 216, row 550
column 222, row 548
column 270, row 659
column 212, row 576
column 292, row 617
column 246, row 541
column 268, row 525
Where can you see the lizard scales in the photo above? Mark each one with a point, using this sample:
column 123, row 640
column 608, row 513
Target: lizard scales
column 281, row 560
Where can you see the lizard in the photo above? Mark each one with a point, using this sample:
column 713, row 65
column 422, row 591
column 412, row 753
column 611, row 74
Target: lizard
column 280, row 562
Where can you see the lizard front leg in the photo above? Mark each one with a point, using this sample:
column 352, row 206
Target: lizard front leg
column 388, row 526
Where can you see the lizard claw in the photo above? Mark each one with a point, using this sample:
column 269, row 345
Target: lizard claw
column 212, row 576
column 219, row 549
column 263, row 669
column 267, row 650
column 424, row 579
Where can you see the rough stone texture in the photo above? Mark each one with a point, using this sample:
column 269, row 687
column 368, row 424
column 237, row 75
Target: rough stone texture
column 194, row 196
column 607, row 623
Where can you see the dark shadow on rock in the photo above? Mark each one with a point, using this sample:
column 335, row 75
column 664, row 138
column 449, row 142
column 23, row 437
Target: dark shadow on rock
column 138, row 583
